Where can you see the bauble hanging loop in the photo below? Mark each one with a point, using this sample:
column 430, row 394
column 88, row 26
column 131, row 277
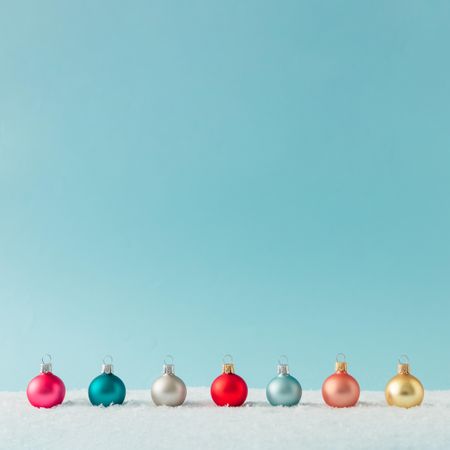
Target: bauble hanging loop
column 228, row 365
column 168, row 389
column 404, row 390
column 229, row 389
column 340, row 389
column 46, row 389
column 107, row 389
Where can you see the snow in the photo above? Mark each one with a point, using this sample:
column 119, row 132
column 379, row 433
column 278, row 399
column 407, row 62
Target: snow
column 199, row 424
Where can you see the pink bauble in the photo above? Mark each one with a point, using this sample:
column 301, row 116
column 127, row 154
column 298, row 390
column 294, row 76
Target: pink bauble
column 46, row 390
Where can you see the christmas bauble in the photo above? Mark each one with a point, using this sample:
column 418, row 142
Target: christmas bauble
column 107, row 388
column 168, row 389
column 340, row 390
column 404, row 390
column 46, row 390
column 284, row 389
column 229, row 389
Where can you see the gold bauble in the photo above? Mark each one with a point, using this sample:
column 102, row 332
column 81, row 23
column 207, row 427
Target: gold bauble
column 404, row 390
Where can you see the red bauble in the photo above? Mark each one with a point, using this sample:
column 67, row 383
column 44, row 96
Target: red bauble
column 229, row 389
column 46, row 390
column 340, row 390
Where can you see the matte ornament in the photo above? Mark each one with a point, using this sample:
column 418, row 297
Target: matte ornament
column 46, row 390
column 229, row 389
column 284, row 389
column 404, row 390
column 107, row 389
column 168, row 389
column 340, row 390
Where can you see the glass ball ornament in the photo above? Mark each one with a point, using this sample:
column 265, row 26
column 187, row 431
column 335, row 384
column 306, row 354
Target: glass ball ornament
column 168, row 389
column 107, row 389
column 229, row 389
column 340, row 390
column 284, row 389
column 404, row 390
column 46, row 389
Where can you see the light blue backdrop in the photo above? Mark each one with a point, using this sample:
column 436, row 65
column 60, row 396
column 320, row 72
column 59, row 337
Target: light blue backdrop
column 204, row 177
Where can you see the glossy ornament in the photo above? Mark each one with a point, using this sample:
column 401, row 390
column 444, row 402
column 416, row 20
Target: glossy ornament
column 229, row 389
column 107, row 388
column 46, row 390
column 340, row 390
column 404, row 390
column 284, row 389
column 168, row 389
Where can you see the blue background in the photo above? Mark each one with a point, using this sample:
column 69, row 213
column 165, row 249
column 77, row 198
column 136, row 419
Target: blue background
column 204, row 177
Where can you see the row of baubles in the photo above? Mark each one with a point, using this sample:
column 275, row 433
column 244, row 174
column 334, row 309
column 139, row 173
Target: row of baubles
column 339, row 390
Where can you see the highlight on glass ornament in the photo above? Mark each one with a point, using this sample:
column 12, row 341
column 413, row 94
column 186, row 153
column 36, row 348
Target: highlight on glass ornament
column 229, row 389
column 46, row 389
column 168, row 389
column 107, row 389
column 284, row 389
column 404, row 390
column 340, row 390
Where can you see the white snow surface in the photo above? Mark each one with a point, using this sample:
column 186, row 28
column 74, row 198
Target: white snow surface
column 199, row 424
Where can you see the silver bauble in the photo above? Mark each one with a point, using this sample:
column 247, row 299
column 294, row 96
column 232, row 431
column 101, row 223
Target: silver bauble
column 168, row 389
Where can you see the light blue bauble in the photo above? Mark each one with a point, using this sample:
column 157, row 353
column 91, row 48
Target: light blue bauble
column 107, row 388
column 284, row 389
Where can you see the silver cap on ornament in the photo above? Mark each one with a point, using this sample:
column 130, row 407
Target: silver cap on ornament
column 107, row 366
column 46, row 365
column 283, row 365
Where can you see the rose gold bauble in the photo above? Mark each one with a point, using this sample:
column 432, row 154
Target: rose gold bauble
column 340, row 390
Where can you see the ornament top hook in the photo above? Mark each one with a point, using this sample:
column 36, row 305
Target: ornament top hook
column 108, row 359
column 46, row 365
column 283, row 365
column 227, row 359
column 168, row 367
column 403, row 365
column 168, row 360
column 228, row 364
column 341, row 362
column 47, row 357
column 107, row 366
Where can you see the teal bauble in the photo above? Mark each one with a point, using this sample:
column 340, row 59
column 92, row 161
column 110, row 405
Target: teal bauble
column 284, row 389
column 107, row 389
